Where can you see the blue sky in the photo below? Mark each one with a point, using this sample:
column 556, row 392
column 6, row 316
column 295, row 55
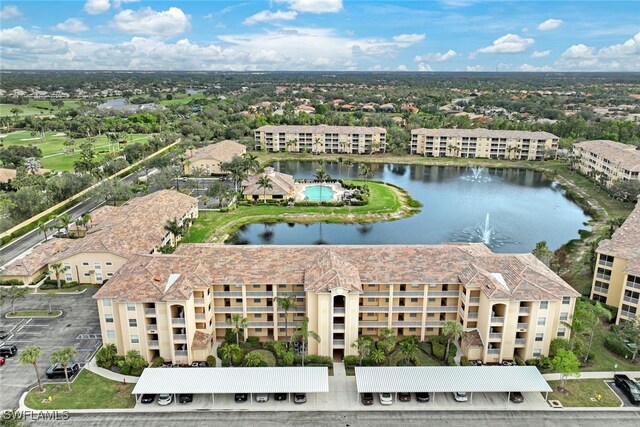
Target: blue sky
column 343, row 35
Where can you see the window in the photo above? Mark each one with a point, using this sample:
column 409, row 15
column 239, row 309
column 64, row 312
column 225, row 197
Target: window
column 601, row 287
column 413, row 314
column 98, row 276
column 600, row 298
column 108, row 318
column 239, row 300
column 133, row 323
column 256, row 286
column 603, row 273
column 131, row 306
column 544, row 305
column 111, row 334
column 106, row 302
column 386, row 300
column 97, row 265
column 85, row 263
column 86, row 274
column 109, row 263
column 562, row 332
column 537, row 352
column 432, row 300
column 256, row 300
column 109, row 274
column 134, row 339
column 258, row 316
column 258, row 329
column 430, row 314
column 371, row 299
column 564, row 316
column 414, row 299
column 539, row 337
column 542, row 321
column 412, row 329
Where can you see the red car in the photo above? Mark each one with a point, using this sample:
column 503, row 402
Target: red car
column 1, row 360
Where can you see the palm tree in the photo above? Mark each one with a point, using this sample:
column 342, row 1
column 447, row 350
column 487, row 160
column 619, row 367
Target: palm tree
column 377, row 356
column 63, row 356
column 348, row 163
column 32, row 165
column 409, row 349
column 387, row 342
column 303, row 333
column 63, row 221
column 238, row 324
column 452, row 329
column 365, row 171
column 264, row 182
column 219, row 191
column 30, row 355
column 250, row 163
column 252, row 359
column 230, row 352
column 174, row 229
column 316, row 144
column 363, row 345
column 57, row 270
column 286, row 303
column 321, row 175
column 43, row 227
column 86, row 220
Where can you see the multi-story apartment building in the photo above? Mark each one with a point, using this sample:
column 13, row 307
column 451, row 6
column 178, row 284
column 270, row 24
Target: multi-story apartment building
column 483, row 143
column 614, row 160
column 321, row 139
column 616, row 277
column 115, row 234
column 210, row 158
column 176, row 306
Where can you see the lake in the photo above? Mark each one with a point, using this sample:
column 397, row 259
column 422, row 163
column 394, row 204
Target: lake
column 509, row 209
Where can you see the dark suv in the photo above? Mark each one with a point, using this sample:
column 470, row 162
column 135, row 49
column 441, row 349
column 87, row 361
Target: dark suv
column 57, row 370
column 8, row 350
column 629, row 386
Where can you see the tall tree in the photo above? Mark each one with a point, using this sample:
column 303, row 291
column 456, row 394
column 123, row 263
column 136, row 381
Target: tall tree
column 363, row 344
column 409, row 349
column 286, row 303
column 12, row 294
column 365, row 171
column 238, row 324
column 304, row 334
column 57, row 269
column 63, row 221
column 630, row 332
column 231, row 352
column 42, row 226
column 387, row 342
column 29, row 356
column 565, row 363
column 175, row 229
column 322, row 176
column 265, row 183
column 250, row 163
column 452, row 329
column 86, row 163
column 220, row 191
column 64, row 356
column 543, row 253
column 593, row 315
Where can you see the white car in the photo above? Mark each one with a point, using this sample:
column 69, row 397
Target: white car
column 262, row 397
column 165, row 399
column 386, row 399
column 460, row 396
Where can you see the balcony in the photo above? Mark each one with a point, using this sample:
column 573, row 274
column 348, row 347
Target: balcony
column 631, row 300
column 493, row 351
column 372, row 324
column 522, row 326
column 627, row 314
column 255, row 294
column 253, row 324
column 339, row 310
column 200, row 316
column 498, row 320
column 181, row 353
column 633, row 285
column 228, row 309
column 338, row 343
column 407, row 294
column 442, row 309
column 150, row 312
column 370, row 294
column 373, row 308
column 406, row 324
column 434, row 324
column 472, row 315
column 198, row 301
column 461, row 311
column 179, row 338
column 435, row 294
column 408, row 308
column 338, row 327
column 153, row 343
column 227, row 294
column 152, row 329
column 525, row 310
column 260, row 309
column 520, row 342
column 474, row 300
column 495, row 336
column 177, row 321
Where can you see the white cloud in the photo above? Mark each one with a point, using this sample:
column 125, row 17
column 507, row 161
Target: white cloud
column 313, row 6
column 578, row 51
column 509, row 43
column 268, row 16
column 119, row 3
column 147, row 21
column 402, row 67
column 18, row 42
column 474, row 68
column 208, row 16
column 96, row 7
column 458, row 3
column 550, row 24
column 530, row 68
column 72, row 25
column 630, row 47
column 540, row 53
column 10, row 12
column 438, row 57
column 424, row 67
column 409, row 38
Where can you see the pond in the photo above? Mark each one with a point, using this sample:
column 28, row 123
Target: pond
column 509, row 209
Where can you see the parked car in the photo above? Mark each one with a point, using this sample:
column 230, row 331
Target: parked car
column 367, row 399
column 147, row 398
column 386, row 398
column 262, row 397
column 8, row 350
column 165, row 399
column 516, row 397
column 241, row 397
column 57, row 370
column 299, row 398
column 460, row 396
column 422, row 397
column 279, row 397
column 629, row 386
column 3, row 334
column 185, row 398
column 2, row 360
column 404, row 397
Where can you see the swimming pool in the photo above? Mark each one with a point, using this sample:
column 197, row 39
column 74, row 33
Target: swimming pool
column 318, row 193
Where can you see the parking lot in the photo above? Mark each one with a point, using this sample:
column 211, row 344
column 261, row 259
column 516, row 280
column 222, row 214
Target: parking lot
column 77, row 327
column 621, row 395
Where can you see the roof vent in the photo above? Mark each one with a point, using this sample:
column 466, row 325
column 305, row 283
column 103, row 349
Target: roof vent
column 157, row 279
column 172, row 279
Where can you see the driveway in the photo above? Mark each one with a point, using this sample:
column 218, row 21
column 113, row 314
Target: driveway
column 617, row 390
column 78, row 327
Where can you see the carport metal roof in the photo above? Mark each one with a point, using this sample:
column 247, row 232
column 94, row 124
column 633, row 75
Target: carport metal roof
column 233, row 380
column 450, row 379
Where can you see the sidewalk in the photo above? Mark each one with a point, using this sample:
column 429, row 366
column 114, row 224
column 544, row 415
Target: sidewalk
column 591, row 375
column 91, row 366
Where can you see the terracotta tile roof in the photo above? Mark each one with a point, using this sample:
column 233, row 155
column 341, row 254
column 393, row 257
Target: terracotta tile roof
column 201, row 340
column 625, row 242
column 143, row 278
column 472, row 339
column 282, row 183
column 625, row 156
column 7, row 175
column 223, row 151
column 321, row 129
column 483, row 133
column 38, row 258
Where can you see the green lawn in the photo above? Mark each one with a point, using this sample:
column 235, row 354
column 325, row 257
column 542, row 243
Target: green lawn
column 605, row 360
column 34, row 313
column 383, row 200
column 89, row 391
column 267, row 357
column 53, row 150
column 422, row 359
column 578, row 393
column 182, row 99
column 36, row 107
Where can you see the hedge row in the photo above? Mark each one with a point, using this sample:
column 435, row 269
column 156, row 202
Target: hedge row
column 612, row 342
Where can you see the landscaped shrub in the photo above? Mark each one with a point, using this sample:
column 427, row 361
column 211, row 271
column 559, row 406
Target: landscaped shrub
column 314, row 360
column 544, row 362
column 220, row 349
column 211, row 361
column 558, row 344
column 351, row 361
column 230, row 337
column 531, row 362
column 107, row 356
column 519, row 361
column 11, row 282
column 613, row 343
column 464, row 361
column 451, row 360
column 157, row 362
column 125, row 369
column 426, row 347
column 252, row 341
column 438, row 346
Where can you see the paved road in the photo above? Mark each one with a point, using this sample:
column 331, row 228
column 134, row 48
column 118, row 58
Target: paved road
column 17, row 247
column 357, row 419
column 78, row 327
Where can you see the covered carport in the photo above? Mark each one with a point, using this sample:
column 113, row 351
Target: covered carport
column 203, row 381
column 451, row 379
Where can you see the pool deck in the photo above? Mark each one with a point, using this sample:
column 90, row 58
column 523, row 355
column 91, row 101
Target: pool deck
column 300, row 187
